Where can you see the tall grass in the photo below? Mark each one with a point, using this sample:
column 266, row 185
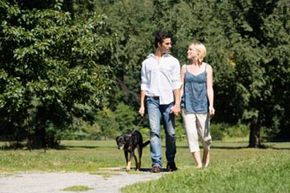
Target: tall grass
column 233, row 168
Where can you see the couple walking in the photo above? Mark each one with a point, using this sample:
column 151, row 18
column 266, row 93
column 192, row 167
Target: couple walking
column 167, row 91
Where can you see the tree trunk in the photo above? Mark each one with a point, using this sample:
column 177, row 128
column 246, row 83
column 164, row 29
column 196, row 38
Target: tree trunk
column 37, row 139
column 41, row 139
column 254, row 138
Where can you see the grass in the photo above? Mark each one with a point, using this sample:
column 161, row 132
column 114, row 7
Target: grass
column 80, row 156
column 233, row 168
column 79, row 188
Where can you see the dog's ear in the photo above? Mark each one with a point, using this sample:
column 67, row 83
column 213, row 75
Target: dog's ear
column 117, row 138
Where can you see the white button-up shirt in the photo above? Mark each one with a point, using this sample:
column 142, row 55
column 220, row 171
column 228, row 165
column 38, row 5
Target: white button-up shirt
column 160, row 78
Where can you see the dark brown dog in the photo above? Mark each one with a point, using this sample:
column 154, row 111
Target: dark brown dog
column 129, row 142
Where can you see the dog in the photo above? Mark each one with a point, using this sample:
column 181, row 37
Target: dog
column 129, row 142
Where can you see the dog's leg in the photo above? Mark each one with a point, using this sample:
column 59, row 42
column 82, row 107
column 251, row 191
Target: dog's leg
column 139, row 149
column 136, row 161
column 128, row 162
column 126, row 156
column 128, row 166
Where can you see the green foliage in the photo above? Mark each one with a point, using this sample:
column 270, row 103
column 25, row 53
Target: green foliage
column 125, row 116
column 226, row 132
column 218, row 131
column 52, row 69
column 108, row 124
column 131, row 22
column 238, row 130
column 84, row 63
column 114, row 123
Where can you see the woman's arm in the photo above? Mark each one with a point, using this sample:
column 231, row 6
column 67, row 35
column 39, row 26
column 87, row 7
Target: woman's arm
column 210, row 92
column 183, row 70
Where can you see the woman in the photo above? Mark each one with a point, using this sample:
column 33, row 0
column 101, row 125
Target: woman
column 198, row 98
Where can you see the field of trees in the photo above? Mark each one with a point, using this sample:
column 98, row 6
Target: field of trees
column 71, row 69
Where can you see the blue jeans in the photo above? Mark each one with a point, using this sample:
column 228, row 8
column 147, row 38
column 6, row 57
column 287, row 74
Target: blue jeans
column 156, row 113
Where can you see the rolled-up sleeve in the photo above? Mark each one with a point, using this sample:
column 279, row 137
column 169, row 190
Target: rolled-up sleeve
column 160, row 78
column 176, row 82
column 144, row 79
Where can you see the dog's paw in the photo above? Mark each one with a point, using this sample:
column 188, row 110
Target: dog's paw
column 127, row 169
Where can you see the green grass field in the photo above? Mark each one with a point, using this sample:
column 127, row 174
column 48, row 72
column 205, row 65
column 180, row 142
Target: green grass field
column 233, row 168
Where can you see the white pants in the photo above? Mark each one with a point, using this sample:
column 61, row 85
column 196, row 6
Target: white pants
column 197, row 127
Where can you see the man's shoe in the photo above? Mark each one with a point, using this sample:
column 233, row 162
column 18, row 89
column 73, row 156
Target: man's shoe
column 156, row 169
column 171, row 167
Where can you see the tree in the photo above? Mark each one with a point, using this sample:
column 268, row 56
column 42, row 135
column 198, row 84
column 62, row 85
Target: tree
column 53, row 69
column 131, row 22
column 276, row 45
column 60, row 66
column 264, row 88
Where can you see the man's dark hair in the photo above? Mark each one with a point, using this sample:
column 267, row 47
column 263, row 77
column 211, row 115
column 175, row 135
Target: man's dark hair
column 160, row 36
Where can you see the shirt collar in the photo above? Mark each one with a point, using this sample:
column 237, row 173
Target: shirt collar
column 153, row 55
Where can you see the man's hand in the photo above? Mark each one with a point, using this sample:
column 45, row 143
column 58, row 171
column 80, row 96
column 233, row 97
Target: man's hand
column 175, row 109
column 142, row 111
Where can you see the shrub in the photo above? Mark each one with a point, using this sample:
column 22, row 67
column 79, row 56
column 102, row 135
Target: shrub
column 218, row 131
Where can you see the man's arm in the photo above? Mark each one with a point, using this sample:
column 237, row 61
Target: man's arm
column 143, row 89
column 176, row 91
column 142, row 103
column 176, row 108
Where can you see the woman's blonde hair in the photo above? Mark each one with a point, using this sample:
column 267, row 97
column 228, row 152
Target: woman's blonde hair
column 201, row 49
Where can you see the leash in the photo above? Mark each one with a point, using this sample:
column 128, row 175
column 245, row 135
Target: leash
column 137, row 126
column 142, row 119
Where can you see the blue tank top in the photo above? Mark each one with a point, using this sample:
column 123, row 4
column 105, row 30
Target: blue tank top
column 195, row 92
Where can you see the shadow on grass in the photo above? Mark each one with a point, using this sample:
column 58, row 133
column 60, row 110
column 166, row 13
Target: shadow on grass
column 184, row 147
column 133, row 170
column 243, row 147
column 71, row 147
column 163, row 170
column 147, row 170
column 228, row 147
column 61, row 147
column 273, row 147
column 68, row 147
column 220, row 147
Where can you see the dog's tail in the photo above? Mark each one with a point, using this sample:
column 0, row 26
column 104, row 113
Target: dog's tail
column 146, row 143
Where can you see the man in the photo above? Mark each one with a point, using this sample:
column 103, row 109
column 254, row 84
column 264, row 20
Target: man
column 160, row 89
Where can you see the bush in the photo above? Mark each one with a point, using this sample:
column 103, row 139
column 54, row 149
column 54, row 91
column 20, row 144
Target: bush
column 221, row 131
column 239, row 130
column 218, row 131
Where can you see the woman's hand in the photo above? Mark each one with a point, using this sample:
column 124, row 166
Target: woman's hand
column 211, row 111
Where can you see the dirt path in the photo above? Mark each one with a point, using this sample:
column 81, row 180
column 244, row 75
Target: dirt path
column 55, row 182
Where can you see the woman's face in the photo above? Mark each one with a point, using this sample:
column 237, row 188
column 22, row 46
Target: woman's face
column 192, row 52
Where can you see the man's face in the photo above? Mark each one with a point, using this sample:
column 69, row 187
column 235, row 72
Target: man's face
column 165, row 46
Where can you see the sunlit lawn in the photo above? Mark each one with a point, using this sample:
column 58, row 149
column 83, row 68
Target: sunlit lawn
column 233, row 167
column 81, row 156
